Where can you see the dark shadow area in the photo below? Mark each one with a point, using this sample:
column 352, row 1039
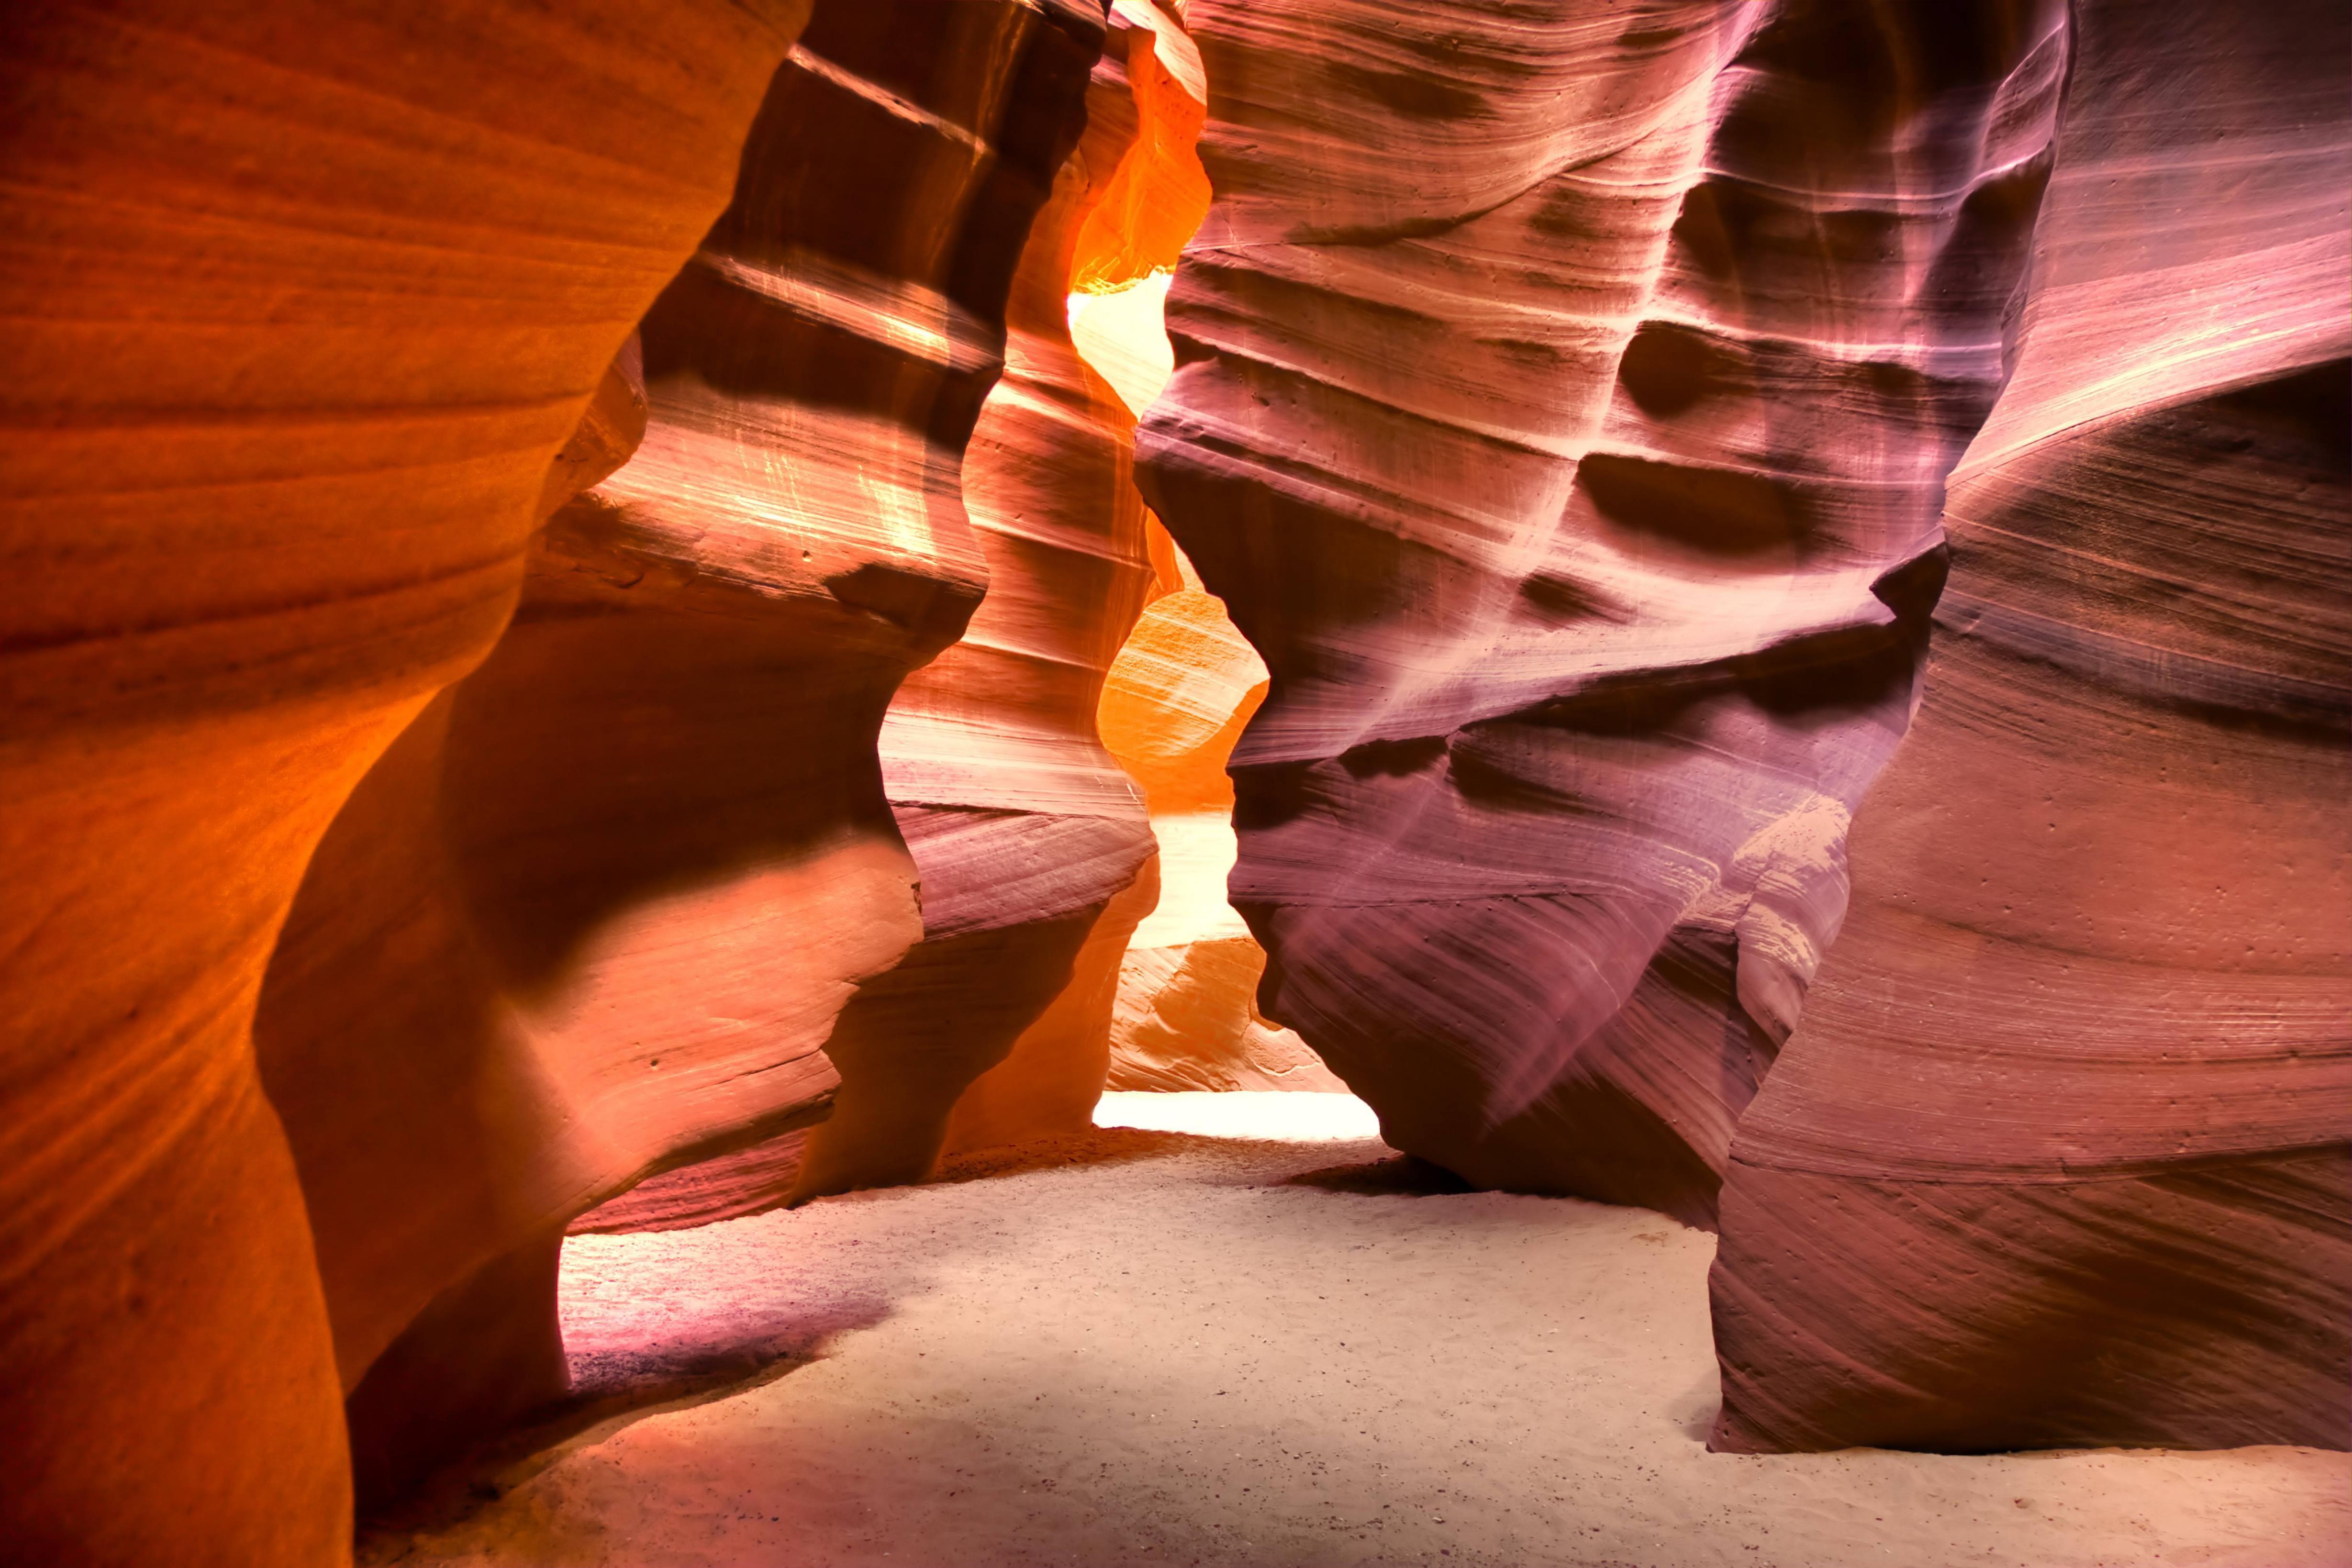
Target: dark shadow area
column 1095, row 1146
column 611, row 1389
column 1403, row 1175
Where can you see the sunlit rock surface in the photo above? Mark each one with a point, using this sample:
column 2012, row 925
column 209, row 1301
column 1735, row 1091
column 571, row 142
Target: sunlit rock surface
column 1175, row 699
column 1562, row 400
column 1562, row 403
column 2058, row 1155
column 1026, row 836
column 1175, row 703
column 303, row 301
column 1031, row 846
column 597, row 913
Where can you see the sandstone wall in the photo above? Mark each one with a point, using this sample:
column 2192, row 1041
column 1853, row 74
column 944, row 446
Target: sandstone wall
column 595, row 915
column 1031, row 847
column 1562, row 403
column 304, row 299
column 2058, row 1155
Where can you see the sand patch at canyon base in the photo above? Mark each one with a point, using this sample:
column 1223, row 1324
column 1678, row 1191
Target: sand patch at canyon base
column 1159, row 1344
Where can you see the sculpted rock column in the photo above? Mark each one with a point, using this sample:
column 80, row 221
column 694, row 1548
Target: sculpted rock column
column 303, row 298
column 2058, row 1155
column 1562, row 406
column 595, row 916
column 1023, row 829
column 1031, row 846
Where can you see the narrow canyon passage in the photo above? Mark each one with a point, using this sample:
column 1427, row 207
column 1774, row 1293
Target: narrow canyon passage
column 1547, row 783
column 1242, row 1340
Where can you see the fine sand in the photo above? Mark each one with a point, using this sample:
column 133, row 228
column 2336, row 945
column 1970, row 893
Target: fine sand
column 1252, row 1336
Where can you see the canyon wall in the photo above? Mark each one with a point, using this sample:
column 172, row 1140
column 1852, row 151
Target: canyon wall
column 1173, row 705
column 597, row 913
column 1563, row 398
column 1032, row 848
column 304, row 299
column 1028, row 838
column 2059, row 1153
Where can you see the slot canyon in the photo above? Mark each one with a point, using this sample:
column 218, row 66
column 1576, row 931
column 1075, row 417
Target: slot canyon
column 972, row 783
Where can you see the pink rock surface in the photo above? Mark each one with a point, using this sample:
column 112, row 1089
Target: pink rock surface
column 1564, row 394
column 2058, row 1155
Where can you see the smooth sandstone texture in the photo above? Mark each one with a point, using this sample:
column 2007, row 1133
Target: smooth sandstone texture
column 1563, row 402
column 597, row 915
column 1144, row 110
column 2058, row 1155
column 1175, row 699
column 1032, row 848
column 1175, row 703
column 1023, row 829
column 303, row 300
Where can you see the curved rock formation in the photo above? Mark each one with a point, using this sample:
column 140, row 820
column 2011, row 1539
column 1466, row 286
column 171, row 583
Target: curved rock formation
column 998, row 739
column 1022, row 829
column 2059, row 1156
column 303, row 301
column 1031, row 845
column 595, row 915
column 1173, row 705
column 1563, row 399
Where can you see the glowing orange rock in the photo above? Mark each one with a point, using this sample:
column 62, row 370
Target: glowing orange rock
column 1177, row 698
column 303, row 301
column 596, row 915
column 1031, row 845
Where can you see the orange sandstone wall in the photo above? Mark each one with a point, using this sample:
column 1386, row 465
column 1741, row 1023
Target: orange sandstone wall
column 304, row 299
column 1031, row 847
column 1176, row 700
column 1027, row 838
column 598, row 912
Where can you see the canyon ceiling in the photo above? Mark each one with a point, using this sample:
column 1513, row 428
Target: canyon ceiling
column 616, row 616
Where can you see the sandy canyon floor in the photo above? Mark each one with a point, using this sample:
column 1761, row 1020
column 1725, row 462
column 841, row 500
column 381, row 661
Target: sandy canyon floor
column 1237, row 1330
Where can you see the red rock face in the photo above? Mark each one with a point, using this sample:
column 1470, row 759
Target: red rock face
column 303, row 301
column 2058, row 1155
column 1563, row 403
column 597, row 915
column 1565, row 400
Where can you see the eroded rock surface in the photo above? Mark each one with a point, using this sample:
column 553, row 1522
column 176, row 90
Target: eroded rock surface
column 1172, row 707
column 2058, row 1155
column 1031, row 846
column 1563, row 399
column 595, row 915
column 303, row 301
column 1021, row 828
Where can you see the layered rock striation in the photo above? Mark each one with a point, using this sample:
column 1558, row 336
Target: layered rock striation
column 1031, row 847
column 304, row 299
column 1562, row 404
column 2059, row 1153
column 597, row 913
column 1027, row 838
